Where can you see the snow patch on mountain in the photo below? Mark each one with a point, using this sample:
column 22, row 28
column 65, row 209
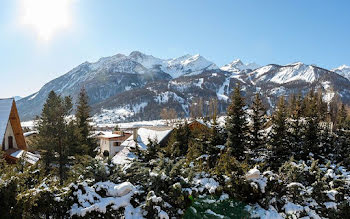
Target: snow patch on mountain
column 168, row 95
column 223, row 91
column 343, row 70
column 200, row 82
column 284, row 74
column 118, row 114
column 237, row 66
column 187, row 64
column 299, row 71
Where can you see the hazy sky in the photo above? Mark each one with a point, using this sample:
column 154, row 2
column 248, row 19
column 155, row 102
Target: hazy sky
column 43, row 39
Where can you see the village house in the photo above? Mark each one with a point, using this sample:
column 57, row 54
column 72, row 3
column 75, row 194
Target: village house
column 111, row 142
column 11, row 133
column 140, row 139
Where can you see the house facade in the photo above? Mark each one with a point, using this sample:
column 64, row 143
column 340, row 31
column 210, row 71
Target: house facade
column 112, row 142
column 11, row 133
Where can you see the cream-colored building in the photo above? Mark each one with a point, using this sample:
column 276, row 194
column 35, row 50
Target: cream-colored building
column 112, row 142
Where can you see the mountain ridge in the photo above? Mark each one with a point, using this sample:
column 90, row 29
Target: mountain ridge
column 139, row 82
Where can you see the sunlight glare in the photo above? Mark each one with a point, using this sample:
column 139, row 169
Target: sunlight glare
column 46, row 17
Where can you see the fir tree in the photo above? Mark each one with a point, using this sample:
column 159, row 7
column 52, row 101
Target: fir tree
column 87, row 143
column 279, row 134
column 152, row 150
column 53, row 136
column 312, row 130
column 236, row 124
column 258, row 119
column 296, row 124
column 179, row 140
column 117, row 128
column 342, row 116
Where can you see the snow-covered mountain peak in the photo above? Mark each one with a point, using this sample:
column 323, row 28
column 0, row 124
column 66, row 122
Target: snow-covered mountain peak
column 284, row 74
column 342, row 67
column 188, row 65
column 343, row 70
column 147, row 61
column 296, row 64
column 237, row 65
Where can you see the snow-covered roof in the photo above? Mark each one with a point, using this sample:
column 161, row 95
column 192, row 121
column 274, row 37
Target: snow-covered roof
column 144, row 135
column 29, row 157
column 5, row 110
column 27, row 134
column 109, row 135
column 125, row 155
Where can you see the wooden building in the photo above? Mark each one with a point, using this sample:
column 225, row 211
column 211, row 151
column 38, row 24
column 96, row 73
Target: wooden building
column 11, row 133
column 199, row 126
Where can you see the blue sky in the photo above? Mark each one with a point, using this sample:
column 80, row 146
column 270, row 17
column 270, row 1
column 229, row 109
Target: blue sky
column 270, row 31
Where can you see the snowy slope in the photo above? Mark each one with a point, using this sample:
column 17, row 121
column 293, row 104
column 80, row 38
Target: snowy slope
column 284, row 74
column 188, row 65
column 112, row 75
column 137, row 86
column 343, row 70
column 237, row 66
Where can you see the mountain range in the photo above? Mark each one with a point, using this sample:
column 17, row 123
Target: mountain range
column 137, row 86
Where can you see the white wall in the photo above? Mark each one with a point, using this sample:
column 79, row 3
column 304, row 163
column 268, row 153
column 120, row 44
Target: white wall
column 106, row 144
column 9, row 132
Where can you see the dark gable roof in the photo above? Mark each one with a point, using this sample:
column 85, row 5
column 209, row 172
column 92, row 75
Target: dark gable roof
column 5, row 110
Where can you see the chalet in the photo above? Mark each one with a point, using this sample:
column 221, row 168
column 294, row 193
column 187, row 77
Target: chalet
column 111, row 141
column 11, row 133
column 140, row 138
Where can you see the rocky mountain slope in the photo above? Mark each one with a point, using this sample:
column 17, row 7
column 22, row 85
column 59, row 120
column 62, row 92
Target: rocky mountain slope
column 343, row 70
column 138, row 86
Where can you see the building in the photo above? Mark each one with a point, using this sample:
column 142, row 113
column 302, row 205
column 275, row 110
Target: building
column 111, row 141
column 198, row 125
column 140, row 138
column 11, row 133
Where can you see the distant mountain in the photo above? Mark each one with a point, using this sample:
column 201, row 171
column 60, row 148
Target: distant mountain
column 137, row 86
column 276, row 80
column 343, row 70
column 112, row 75
column 237, row 66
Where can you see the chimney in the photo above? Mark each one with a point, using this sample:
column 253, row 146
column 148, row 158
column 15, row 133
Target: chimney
column 135, row 135
column 118, row 133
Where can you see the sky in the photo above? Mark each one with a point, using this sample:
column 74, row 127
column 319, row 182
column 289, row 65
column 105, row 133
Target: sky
column 43, row 39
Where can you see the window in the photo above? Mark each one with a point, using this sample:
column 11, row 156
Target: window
column 116, row 144
column 10, row 138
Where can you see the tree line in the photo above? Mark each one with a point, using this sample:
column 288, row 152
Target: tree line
column 300, row 127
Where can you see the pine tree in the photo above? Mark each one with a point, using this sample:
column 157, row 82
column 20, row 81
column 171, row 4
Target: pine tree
column 179, row 141
column 296, row 125
column 213, row 109
column 342, row 116
column 322, row 106
column 279, row 134
column 152, row 149
column 292, row 101
column 53, row 136
column 236, row 125
column 258, row 119
column 87, row 143
column 312, row 129
column 117, row 128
